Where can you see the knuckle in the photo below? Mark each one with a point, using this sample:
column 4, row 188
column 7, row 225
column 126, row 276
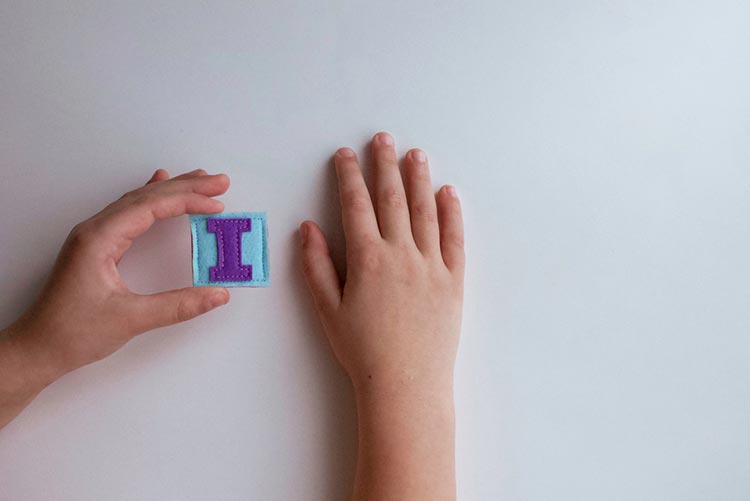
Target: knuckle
column 456, row 241
column 136, row 197
column 136, row 193
column 355, row 200
column 128, row 195
column 406, row 249
column 447, row 280
column 366, row 244
column 366, row 261
column 425, row 212
column 81, row 234
column 144, row 198
column 457, row 266
column 393, row 198
column 182, row 311
column 410, row 268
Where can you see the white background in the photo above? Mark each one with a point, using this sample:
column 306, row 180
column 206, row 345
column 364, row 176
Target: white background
column 601, row 153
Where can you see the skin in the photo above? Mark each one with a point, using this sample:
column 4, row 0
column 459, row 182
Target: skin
column 394, row 323
column 85, row 311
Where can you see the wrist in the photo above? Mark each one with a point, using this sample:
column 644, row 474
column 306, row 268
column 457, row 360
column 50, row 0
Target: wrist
column 404, row 383
column 23, row 372
column 405, row 394
column 406, row 430
column 27, row 363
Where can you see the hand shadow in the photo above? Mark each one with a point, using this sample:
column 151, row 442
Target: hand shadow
column 340, row 421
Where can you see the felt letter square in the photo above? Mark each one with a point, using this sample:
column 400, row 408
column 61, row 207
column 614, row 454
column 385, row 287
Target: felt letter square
column 230, row 249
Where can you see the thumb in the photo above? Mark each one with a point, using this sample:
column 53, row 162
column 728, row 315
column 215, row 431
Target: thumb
column 171, row 307
column 318, row 269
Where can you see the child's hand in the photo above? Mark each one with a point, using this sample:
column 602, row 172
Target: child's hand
column 86, row 311
column 397, row 318
column 394, row 325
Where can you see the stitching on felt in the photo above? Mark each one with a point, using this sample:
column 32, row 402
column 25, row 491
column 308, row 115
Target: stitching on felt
column 219, row 247
column 196, row 267
column 263, row 250
column 220, row 250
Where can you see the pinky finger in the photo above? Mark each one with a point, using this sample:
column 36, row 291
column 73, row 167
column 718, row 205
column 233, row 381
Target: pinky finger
column 451, row 228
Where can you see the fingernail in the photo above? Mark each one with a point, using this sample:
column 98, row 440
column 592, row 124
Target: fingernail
column 345, row 153
column 384, row 138
column 451, row 191
column 419, row 156
column 303, row 232
column 219, row 299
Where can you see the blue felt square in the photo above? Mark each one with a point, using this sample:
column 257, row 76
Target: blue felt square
column 254, row 249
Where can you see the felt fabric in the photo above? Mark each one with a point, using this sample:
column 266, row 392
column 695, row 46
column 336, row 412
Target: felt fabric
column 248, row 239
column 229, row 267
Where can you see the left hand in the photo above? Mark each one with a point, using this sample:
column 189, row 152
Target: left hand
column 85, row 311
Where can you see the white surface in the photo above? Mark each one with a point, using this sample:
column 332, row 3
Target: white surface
column 601, row 152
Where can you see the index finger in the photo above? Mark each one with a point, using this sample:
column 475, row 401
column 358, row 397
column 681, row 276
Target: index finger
column 134, row 213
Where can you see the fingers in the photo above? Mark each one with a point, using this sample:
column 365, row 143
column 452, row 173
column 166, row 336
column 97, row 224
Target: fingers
column 451, row 228
column 422, row 207
column 134, row 216
column 166, row 205
column 317, row 266
column 209, row 185
column 159, row 175
column 191, row 174
column 187, row 194
column 162, row 175
column 167, row 308
column 119, row 223
column 390, row 199
column 357, row 213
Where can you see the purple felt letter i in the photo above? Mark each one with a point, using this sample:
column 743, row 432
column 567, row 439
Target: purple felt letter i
column 229, row 267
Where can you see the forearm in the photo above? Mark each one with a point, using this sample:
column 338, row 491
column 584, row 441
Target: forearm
column 23, row 372
column 406, row 444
